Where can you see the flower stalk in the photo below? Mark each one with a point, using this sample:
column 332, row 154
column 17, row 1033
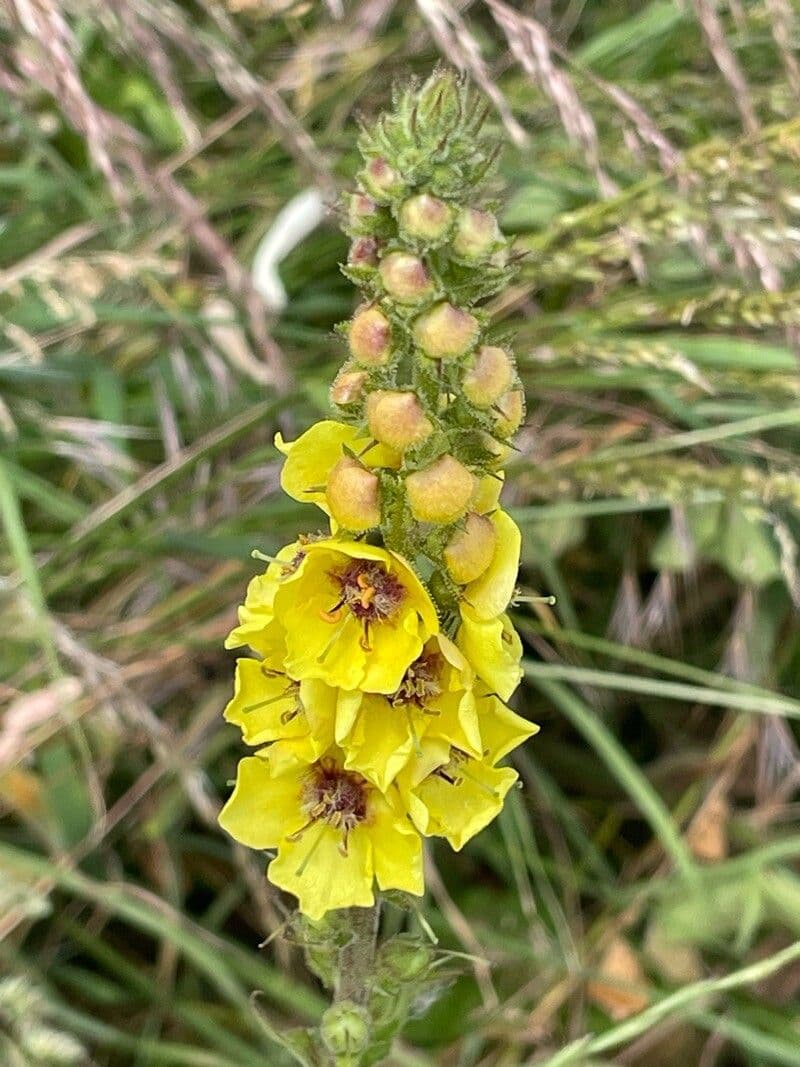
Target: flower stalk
column 378, row 698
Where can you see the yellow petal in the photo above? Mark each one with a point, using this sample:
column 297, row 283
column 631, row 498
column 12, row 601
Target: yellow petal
column 397, row 849
column 263, row 807
column 487, row 493
column 459, row 811
column 501, row 729
column 493, row 649
column 310, row 458
column 380, row 742
column 314, row 869
column 261, row 703
column 489, row 595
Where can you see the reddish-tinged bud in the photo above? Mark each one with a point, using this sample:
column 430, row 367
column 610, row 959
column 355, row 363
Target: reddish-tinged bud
column 353, row 495
column 348, row 386
column 490, row 373
column 363, row 252
column 441, row 492
column 381, row 180
column 425, row 217
column 446, row 332
column 477, row 235
column 362, row 212
column 405, row 277
column 469, row 551
column 397, row 420
column 370, row 337
column 510, row 410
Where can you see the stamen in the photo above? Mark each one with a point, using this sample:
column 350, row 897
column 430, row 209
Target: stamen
column 414, row 735
column 364, row 642
column 317, row 842
column 334, row 637
column 271, row 700
column 287, row 716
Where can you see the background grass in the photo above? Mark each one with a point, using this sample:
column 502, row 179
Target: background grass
column 638, row 902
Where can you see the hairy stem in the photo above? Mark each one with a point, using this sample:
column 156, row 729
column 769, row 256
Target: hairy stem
column 357, row 957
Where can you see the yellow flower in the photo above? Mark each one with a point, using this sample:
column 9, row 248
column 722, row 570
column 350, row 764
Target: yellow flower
column 380, row 732
column 334, row 833
column 268, row 705
column 457, row 798
column 310, row 459
column 354, row 616
column 493, row 649
column 490, row 594
column 258, row 627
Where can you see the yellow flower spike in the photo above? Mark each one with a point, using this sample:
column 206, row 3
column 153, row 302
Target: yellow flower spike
column 379, row 733
column 310, row 459
column 458, row 798
column 493, row 649
column 334, row 833
column 354, row 615
column 490, row 594
column 502, row 730
column 258, row 627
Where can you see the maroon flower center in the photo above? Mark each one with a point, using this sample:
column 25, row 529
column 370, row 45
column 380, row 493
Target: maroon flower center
column 333, row 796
column 369, row 592
column 421, row 682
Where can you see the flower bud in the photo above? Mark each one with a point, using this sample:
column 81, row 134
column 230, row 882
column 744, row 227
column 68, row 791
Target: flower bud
column 405, row 277
column 353, row 495
column 477, row 235
column 510, row 410
column 362, row 212
column 489, row 375
column 469, row 551
column 345, row 1030
column 397, row 420
column 425, row 217
column 370, row 337
column 405, row 957
column 348, row 385
column 363, row 252
column 446, row 332
column 381, row 180
column 497, row 452
column 440, row 492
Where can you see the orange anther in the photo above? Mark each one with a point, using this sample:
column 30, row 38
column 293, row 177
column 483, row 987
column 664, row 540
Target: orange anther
column 331, row 616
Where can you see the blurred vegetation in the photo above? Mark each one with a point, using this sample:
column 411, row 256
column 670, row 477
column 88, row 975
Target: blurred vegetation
column 639, row 901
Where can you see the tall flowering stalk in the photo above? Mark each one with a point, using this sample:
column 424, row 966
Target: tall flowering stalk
column 377, row 703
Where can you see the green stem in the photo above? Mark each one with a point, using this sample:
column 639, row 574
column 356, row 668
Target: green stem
column 357, row 957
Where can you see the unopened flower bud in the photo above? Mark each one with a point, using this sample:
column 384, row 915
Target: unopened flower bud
column 370, row 337
column 353, row 495
column 345, row 1029
column 363, row 252
column 497, row 452
column 477, row 234
column 381, row 180
column 405, row 957
column 362, row 212
column 397, row 420
column 446, row 332
column 348, row 385
column 489, row 375
column 510, row 410
column 440, row 492
column 469, row 551
column 405, row 277
column 425, row 217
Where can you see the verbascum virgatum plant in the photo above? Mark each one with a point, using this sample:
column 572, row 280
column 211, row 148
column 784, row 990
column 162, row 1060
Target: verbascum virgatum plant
column 378, row 702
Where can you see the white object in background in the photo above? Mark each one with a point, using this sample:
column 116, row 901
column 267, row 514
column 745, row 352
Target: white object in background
column 292, row 224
